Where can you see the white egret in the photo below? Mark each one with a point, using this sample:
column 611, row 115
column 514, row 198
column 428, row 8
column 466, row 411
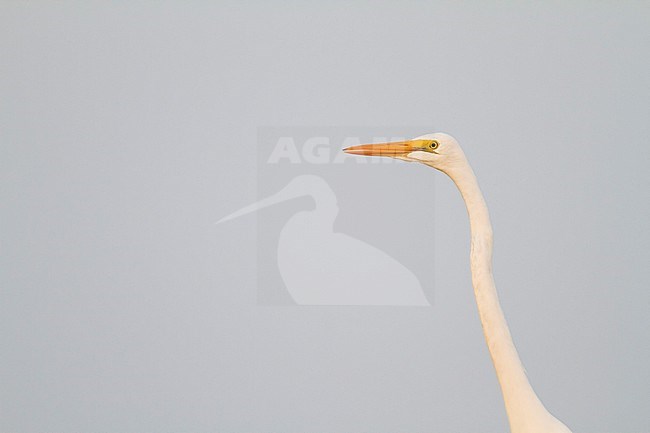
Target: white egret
column 526, row 413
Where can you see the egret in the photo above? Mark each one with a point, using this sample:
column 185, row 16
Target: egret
column 322, row 267
column 526, row 413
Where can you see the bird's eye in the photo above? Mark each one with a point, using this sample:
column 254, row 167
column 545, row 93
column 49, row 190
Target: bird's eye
column 434, row 144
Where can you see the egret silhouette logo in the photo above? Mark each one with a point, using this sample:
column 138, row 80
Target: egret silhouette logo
column 321, row 239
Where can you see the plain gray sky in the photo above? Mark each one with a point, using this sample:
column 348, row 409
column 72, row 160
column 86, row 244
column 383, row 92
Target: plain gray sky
column 128, row 128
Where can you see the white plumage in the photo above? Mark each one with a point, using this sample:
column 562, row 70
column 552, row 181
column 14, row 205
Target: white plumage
column 526, row 413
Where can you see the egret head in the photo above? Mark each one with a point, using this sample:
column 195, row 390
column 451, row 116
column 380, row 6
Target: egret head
column 437, row 150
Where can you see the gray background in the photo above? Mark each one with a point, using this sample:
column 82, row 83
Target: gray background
column 127, row 129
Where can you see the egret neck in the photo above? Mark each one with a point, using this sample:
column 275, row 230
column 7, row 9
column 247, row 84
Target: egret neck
column 526, row 413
